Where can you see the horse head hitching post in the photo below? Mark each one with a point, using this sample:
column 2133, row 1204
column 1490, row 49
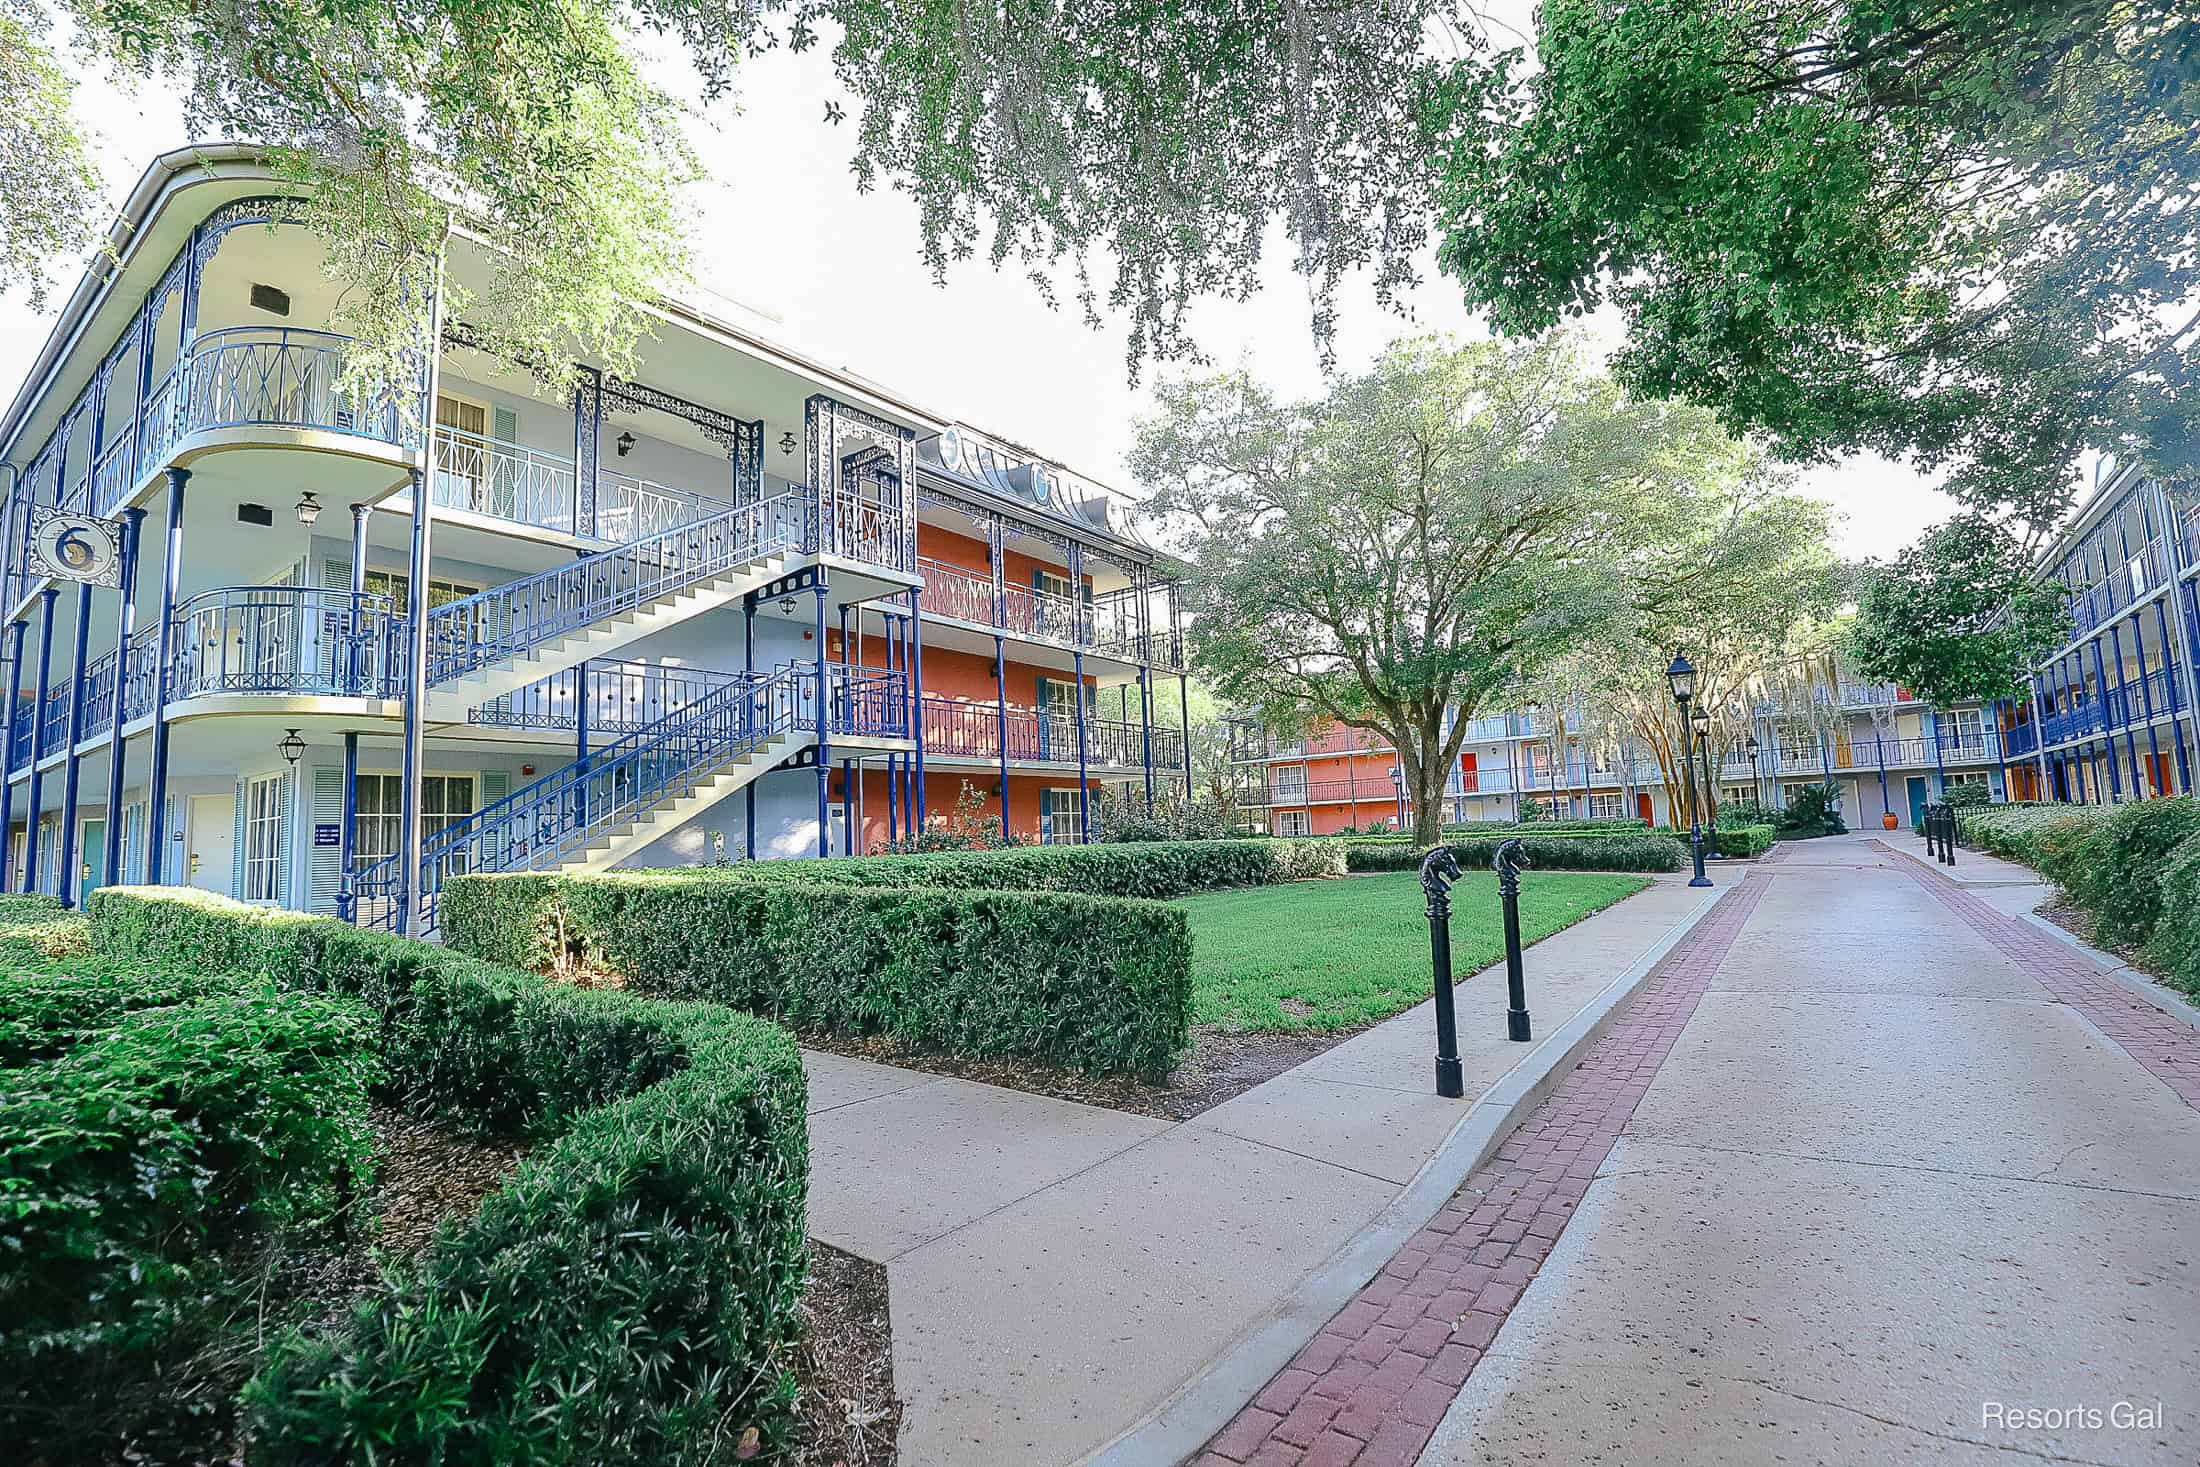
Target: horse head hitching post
column 1439, row 869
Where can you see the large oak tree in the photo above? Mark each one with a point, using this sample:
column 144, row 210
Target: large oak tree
column 1427, row 536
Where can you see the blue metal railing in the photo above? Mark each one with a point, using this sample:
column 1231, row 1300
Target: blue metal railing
column 511, row 619
column 544, row 824
column 267, row 376
column 966, row 729
column 619, row 696
column 288, row 640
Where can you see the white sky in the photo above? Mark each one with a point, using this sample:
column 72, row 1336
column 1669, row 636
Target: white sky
column 785, row 232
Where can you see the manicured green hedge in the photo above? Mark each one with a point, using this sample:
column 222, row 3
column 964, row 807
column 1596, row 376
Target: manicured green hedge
column 2020, row 832
column 630, row 1295
column 1744, row 840
column 42, row 924
column 1643, row 852
column 2175, row 947
column 1100, row 983
column 156, row 1136
column 1156, row 869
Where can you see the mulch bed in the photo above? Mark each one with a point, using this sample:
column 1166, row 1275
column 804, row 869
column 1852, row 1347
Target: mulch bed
column 848, row 1413
column 1223, row 1063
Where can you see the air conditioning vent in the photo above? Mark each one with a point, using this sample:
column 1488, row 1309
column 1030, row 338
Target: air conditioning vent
column 268, row 298
column 255, row 514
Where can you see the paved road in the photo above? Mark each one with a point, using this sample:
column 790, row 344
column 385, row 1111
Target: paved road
column 1891, row 1187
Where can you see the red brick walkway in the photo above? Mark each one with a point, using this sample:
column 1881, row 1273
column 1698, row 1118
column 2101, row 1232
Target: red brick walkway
column 1371, row 1387
column 2165, row 1047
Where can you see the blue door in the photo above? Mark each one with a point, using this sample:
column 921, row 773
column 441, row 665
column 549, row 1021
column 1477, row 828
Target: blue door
column 1917, row 798
column 95, row 858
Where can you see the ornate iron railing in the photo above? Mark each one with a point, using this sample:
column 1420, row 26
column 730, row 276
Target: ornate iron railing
column 511, row 481
column 546, row 823
column 272, row 376
column 287, row 639
column 620, row 697
column 510, row 619
column 137, row 697
column 958, row 727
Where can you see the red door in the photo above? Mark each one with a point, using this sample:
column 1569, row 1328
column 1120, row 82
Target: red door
column 1642, row 806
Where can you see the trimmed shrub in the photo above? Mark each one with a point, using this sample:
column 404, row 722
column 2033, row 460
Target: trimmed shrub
column 1154, row 869
column 157, row 1139
column 1581, row 852
column 1744, row 840
column 631, row 1295
column 2018, row 832
column 1100, row 984
column 2175, row 947
column 40, row 923
column 1969, row 795
column 2123, row 891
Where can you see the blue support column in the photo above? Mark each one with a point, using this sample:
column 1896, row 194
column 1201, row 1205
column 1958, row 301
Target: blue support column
column 347, row 839
column 125, row 628
column 1000, row 706
column 916, row 695
column 1084, row 790
column 2108, row 728
column 2123, row 696
column 65, row 875
column 2146, row 699
column 16, row 629
column 847, row 807
column 1145, row 730
column 411, row 919
column 1940, row 768
column 164, row 654
column 748, row 717
column 46, row 599
column 2173, row 662
column 824, row 728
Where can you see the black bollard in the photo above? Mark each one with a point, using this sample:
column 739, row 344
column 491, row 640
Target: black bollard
column 1439, row 869
column 1932, row 832
column 1947, row 835
column 1511, row 856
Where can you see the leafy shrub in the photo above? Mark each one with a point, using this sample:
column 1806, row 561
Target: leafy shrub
column 42, row 925
column 631, row 1295
column 1743, row 840
column 1748, row 812
column 1613, row 825
column 1155, row 869
column 1969, row 795
column 2175, row 947
column 1812, row 809
column 1101, row 984
column 2123, row 892
column 2017, row 832
column 1119, row 815
column 968, row 828
column 1582, row 852
column 156, row 1139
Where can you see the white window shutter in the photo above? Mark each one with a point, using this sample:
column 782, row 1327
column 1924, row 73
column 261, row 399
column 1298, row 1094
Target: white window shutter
column 325, row 871
column 286, row 817
column 237, row 839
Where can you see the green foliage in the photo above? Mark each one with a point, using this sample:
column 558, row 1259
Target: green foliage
column 1097, row 983
column 46, row 169
column 2175, row 948
column 1326, row 955
column 1583, row 852
column 1743, row 840
column 1432, row 533
column 1948, row 229
column 151, row 1141
column 1958, row 616
column 1119, row 816
column 2024, row 832
column 967, row 828
column 1812, row 810
column 1967, row 796
column 2134, row 846
column 631, row 1295
column 43, row 926
column 1747, row 812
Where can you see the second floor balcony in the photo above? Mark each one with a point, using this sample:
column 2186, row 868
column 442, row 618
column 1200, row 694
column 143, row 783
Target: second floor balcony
column 965, row 728
column 1112, row 623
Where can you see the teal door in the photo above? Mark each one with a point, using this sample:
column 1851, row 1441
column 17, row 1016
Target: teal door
column 1917, row 798
column 94, row 876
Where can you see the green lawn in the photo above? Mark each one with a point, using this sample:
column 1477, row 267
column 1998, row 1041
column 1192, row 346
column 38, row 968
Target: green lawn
column 1337, row 954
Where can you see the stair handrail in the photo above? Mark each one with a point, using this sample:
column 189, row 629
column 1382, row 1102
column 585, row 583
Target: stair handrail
column 620, row 781
column 504, row 621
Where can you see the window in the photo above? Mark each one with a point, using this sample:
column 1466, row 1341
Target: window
column 263, row 835
column 1058, row 822
column 1607, row 805
column 444, row 798
column 1293, row 822
column 398, row 587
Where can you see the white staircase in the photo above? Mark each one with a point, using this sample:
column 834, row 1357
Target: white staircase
column 448, row 701
column 618, row 841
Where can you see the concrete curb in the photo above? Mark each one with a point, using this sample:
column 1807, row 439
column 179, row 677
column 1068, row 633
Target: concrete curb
column 1209, row 1400
column 2142, row 984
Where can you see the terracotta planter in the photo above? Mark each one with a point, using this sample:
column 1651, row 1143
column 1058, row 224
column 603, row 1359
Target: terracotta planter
column 1889, row 820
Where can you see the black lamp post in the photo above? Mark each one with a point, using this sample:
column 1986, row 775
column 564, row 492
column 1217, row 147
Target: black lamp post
column 1398, row 783
column 1681, row 676
column 1756, row 775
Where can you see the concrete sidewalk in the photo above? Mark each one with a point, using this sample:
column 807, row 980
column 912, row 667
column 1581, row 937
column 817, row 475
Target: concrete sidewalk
column 1911, row 1166
column 1058, row 1272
